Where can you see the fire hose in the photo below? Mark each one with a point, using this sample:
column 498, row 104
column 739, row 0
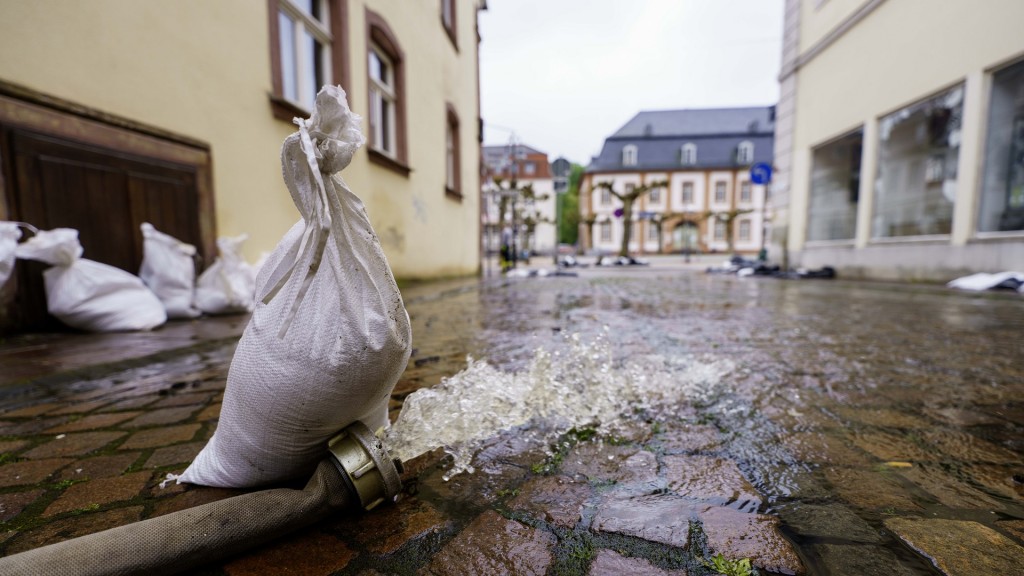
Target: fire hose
column 358, row 470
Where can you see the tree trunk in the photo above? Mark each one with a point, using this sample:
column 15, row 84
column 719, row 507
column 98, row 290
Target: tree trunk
column 627, row 225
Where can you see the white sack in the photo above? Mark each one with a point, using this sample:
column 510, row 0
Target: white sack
column 985, row 281
column 329, row 336
column 10, row 232
column 227, row 286
column 169, row 270
column 89, row 295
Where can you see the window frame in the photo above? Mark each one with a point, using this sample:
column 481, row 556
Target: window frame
column 746, row 192
column 450, row 21
column 688, row 154
column 606, row 197
column 630, row 155
column 748, row 225
column 381, row 40
column 336, row 51
column 605, row 231
column 745, row 152
column 723, row 186
column 687, row 187
column 453, row 154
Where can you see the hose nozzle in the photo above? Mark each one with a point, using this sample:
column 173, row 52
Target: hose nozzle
column 366, row 465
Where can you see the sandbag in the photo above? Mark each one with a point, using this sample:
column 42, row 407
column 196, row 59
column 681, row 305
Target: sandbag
column 330, row 334
column 227, row 286
column 168, row 268
column 10, row 233
column 89, row 295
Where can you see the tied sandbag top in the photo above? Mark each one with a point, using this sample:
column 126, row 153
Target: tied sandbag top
column 57, row 247
column 323, row 146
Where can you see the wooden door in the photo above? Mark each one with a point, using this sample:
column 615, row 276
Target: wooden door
column 105, row 194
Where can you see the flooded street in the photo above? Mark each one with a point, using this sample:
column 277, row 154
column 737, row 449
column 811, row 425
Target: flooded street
column 852, row 408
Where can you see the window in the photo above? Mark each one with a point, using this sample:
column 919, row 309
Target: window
column 835, row 189
column 655, row 196
column 530, row 168
column 720, row 196
column 606, row 231
column 744, row 230
column 304, row 56
column 745, row 191
column 630, row 187
column 1002, row 194
column 452, row 164
column 745, row 152
column 719, row 230
column 629, row 155
column 448, row 20
column 688, row 154
column 652, row 232
column 606, row 197
column 917, row 156
column 687, row 192
column 386, row 114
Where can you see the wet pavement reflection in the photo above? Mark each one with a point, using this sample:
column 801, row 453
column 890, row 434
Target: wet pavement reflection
column 851, row 407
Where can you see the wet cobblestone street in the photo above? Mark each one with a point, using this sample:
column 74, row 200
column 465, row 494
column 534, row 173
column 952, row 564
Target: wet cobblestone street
column 860, row 429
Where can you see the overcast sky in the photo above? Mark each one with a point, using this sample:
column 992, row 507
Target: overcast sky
column 565, row 74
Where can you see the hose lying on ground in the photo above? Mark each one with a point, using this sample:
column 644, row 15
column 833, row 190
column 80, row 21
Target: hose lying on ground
column 359, row 472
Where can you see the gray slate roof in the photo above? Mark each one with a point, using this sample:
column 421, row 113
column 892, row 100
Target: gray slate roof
column 717, row 132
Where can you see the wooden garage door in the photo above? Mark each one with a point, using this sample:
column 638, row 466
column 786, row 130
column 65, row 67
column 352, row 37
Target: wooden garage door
column 52, row 180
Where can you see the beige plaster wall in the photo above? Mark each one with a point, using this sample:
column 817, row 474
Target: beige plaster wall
column 201, row 69
column 902, row 52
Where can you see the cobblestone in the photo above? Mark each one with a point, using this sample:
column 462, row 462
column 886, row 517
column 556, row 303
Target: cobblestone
column 822, row 432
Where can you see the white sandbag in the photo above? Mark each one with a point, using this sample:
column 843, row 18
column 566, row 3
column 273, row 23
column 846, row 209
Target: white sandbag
column 228, row 285
column 329, row 336
column 985, row 281
column 89, row 295
column 10, row 233
column 168, row 268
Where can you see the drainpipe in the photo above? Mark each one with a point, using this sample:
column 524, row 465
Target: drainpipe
column 358, row 471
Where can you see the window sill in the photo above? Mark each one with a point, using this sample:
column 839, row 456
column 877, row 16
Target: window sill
column 380, row 159
column 285, row 111
column 453, row 194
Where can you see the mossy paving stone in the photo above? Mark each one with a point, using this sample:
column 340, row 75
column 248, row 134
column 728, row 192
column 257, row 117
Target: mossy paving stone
column 663, row 518
column 843, row 560
column 756, row 536
column 75, row 444
column 30, row 471
column 558, row 500
column 307, row 553
column 387, row 528
column 73, row 527
column 99, row 467
column 11, row 504
column 711, row 480
column 98, row 492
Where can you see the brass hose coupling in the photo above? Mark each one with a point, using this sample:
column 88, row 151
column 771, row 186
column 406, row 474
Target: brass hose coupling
column 366, row 465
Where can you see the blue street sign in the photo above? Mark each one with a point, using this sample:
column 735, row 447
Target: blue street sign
column 761, row 173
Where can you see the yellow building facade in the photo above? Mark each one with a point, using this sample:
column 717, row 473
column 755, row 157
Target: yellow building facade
column 178, row 110
column 899, row 148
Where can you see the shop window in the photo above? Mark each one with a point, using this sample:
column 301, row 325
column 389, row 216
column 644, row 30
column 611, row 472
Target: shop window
column 917, row 155
column 1002, row 195
column 835, row 189
column 386, row 115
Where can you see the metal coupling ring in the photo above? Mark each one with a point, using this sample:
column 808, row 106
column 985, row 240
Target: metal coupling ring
column 367, row 465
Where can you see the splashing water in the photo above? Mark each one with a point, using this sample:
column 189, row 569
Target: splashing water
column 556, row 392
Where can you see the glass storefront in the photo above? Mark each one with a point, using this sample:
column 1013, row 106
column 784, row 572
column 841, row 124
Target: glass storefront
column 835, row 189
column 1002, row 195
column 915, row 187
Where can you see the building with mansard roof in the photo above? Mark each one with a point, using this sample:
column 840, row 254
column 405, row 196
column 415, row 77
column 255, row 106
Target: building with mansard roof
column 710, row 203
